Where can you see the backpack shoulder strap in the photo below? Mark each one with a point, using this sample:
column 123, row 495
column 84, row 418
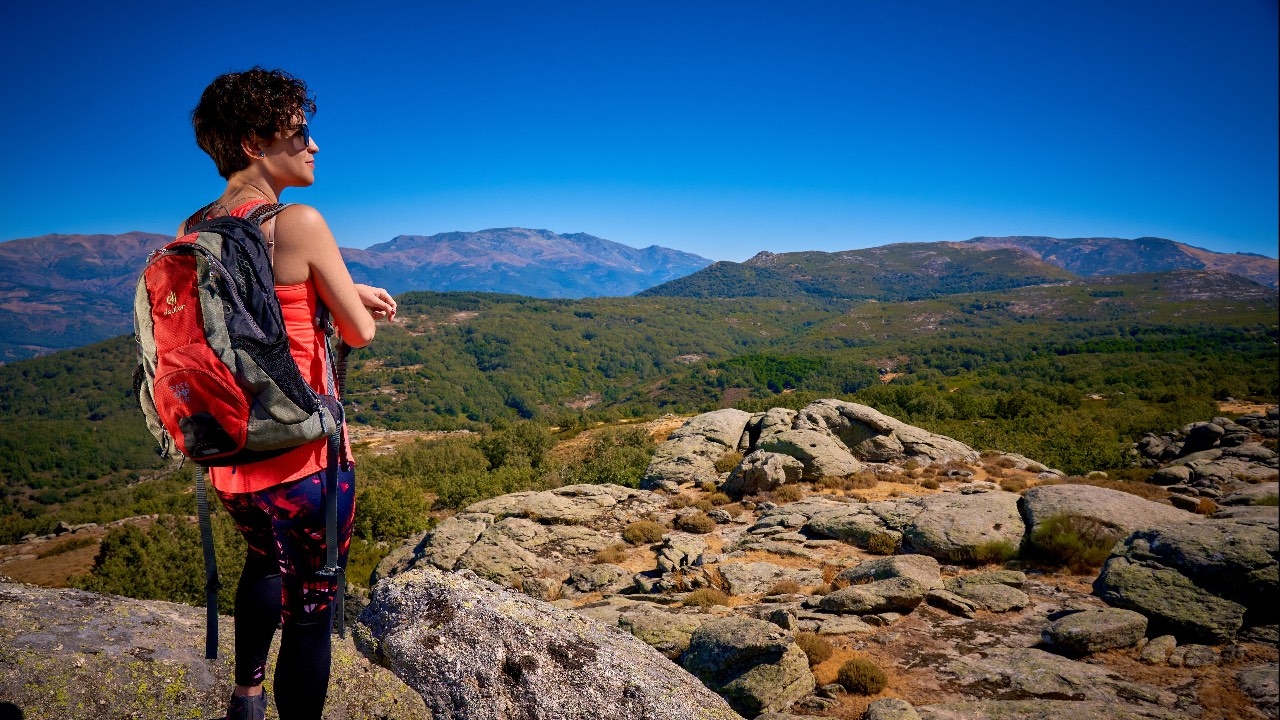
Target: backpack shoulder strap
column 260, row 215
column 265, row 212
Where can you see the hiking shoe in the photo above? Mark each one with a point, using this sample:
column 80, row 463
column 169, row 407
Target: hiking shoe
column 247, row 707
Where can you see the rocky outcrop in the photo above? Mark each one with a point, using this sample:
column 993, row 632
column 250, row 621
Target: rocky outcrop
column 964, row 527
column 772, row 559
column 876, row 437
column 70, row 654
column 1120, row 511
column 1020, row 673
column 689, row 455
column 755, row 665
column 820, row 454
column 530, row 535
column 829, row 438
column 762, row 471
column 475, row 650
column 856, row 560
column 1215, row 460
column 1198, row 579
column 1091, row 631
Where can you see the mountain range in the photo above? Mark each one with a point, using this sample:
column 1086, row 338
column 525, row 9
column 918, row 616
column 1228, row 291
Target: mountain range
column 537, row 263
column 62, row 291
column 911, row 271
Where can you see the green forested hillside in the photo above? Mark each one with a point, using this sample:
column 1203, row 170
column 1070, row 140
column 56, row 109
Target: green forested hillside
column 902, row 271
column 1068, row 373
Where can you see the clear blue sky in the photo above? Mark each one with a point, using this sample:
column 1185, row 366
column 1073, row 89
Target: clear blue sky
column 719, row 128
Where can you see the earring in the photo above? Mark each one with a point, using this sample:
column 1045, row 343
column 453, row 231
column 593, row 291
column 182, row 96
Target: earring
column 262, row 154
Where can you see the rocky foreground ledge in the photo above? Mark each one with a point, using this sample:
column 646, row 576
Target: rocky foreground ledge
column 880, row 537
column 876, row 536
column 72, row 655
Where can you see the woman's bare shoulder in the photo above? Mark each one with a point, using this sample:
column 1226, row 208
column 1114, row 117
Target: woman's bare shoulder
column 300, row 216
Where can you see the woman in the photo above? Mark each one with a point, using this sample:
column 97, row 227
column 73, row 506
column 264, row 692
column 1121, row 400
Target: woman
column 253, row 125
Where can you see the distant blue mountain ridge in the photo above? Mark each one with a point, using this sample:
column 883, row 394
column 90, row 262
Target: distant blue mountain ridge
column 63, row 291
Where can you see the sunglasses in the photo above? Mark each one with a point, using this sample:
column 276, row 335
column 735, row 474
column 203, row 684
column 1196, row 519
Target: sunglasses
column 303, row 132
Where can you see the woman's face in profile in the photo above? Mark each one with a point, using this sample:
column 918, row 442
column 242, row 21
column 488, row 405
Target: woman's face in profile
column 291, row 154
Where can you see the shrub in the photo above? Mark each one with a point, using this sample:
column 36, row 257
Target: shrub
column 390, row 509
column 1013, row 484
column 829, row 572
column 992, row 552
column 643, row 532
column 930, row 484
column 719, row 498
column 815, row 646
column 1206, row 507
column 697, row 522
column 784, row 587
column 703, row 504
column 362, row 558
column 831, row 482
column 617, row 457
column 862, row 676
column 882, row 543
column 707, row 486
column 164, row 562
column 519, row 444
column 66, row 547
column 706, row 597
column 1269, row 500
column 615, row 554
column 788, row 493
column 862, row 480
column 678, row 502
column 1077, row 543
column 1144, row 490
column 728, row 461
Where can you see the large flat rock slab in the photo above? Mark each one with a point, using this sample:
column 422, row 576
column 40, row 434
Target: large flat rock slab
column 476, row 651
column 956, row 527
column 75, row 655
column 1115, row 509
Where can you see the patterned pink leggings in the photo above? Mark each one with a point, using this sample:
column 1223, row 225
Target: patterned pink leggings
column 279, row 586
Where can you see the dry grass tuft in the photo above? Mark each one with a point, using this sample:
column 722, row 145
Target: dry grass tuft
column 615, row 554
column 862, row 676
column 728, row 461
column 784, row 587
column 698, row 523
column 815, row 646
column 706, row 597
column 643, row 532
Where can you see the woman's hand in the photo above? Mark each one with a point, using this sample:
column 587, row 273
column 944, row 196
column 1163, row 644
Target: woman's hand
column 377, row 301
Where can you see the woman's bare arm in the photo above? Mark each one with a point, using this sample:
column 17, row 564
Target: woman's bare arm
column 305, row 248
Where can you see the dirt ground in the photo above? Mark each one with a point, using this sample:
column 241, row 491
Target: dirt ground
column 1234, row 407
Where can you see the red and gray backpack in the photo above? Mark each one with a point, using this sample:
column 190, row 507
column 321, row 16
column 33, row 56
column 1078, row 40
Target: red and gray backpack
column 215, row 377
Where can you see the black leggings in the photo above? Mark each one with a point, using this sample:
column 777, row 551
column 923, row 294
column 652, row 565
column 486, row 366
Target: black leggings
column 285, row 527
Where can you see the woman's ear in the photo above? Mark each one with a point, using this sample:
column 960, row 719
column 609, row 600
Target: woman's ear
column 253, row 146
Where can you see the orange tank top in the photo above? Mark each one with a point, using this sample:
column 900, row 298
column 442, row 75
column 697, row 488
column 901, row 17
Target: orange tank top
column 299, row 304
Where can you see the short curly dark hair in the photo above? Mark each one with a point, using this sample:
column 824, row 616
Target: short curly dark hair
column 242, row 104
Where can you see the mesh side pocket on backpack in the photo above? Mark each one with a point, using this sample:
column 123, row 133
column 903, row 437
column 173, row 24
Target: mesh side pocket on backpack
column 277, row 362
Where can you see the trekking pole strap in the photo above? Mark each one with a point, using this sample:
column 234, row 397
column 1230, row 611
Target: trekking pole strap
column 332, row 567
column 210, row 567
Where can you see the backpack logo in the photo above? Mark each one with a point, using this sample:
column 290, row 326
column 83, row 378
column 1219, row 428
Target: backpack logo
column 182, row 391
column 172, row 301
